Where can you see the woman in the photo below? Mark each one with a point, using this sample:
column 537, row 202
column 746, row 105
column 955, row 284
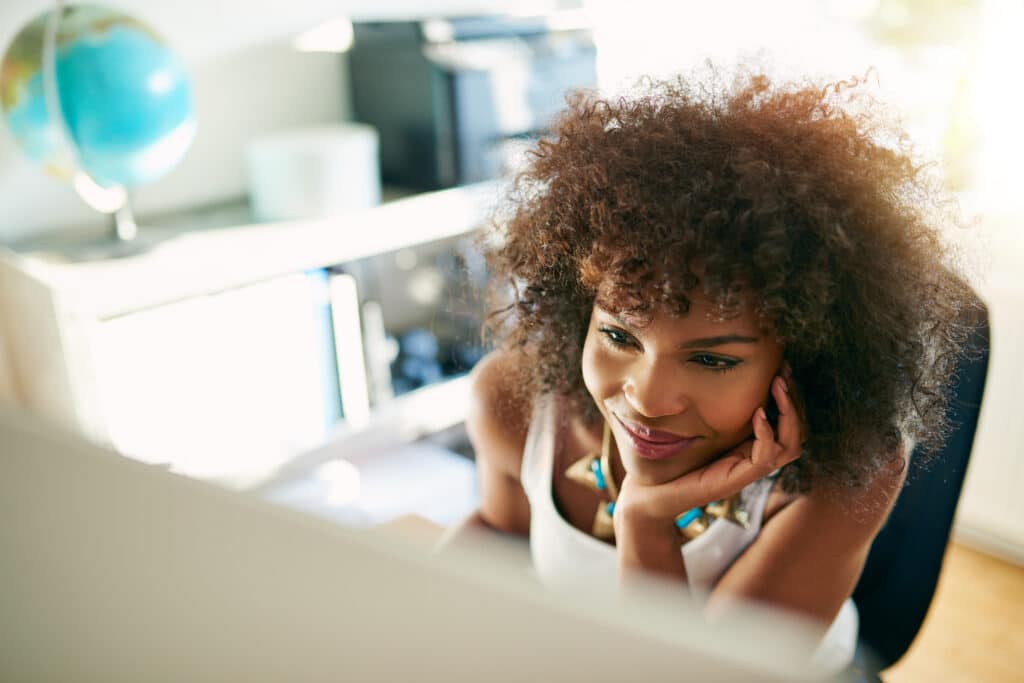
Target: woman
column 732, row 315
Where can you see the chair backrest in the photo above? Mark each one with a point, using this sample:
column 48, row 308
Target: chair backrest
column 898, row 581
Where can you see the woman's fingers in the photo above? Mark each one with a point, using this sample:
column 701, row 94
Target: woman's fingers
column 729, row 474
column 764, row 439
column 790, row 423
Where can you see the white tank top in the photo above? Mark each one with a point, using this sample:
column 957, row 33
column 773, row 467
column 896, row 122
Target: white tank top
column 565, row 557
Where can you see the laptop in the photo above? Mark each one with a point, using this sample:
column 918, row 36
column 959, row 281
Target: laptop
column 115, row 570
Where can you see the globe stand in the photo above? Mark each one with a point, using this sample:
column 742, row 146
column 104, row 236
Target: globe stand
column 125, row 228
column 121, row 240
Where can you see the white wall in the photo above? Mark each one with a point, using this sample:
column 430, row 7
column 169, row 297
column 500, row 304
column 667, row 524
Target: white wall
column 248, row 80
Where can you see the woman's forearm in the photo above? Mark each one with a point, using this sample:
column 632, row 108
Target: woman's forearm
column 648, row 549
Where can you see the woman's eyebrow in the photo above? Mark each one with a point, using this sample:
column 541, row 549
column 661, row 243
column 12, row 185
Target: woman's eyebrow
column 701, row 342
column 706, row 342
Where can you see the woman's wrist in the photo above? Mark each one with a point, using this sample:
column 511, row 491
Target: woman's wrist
column 642, row 511
column 649, row 544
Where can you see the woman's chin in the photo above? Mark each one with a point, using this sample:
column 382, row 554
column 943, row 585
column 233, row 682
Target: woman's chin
column 654, row 471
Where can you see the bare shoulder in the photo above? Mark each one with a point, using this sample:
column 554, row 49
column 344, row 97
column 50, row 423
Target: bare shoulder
column 865, row 509
column 853, row 515
column 499, row 415
column 811, row 551
column 497, row 423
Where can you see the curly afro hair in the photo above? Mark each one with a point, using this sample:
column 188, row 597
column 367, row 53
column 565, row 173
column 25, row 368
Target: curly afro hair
column 796, row 198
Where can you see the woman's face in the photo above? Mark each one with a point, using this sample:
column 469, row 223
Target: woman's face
column 677, row 391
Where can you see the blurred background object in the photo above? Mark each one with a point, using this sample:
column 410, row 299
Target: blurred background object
column 457, row 98
column 431, row 299
column 225, row 353
column 313, row 171
column 98, row 99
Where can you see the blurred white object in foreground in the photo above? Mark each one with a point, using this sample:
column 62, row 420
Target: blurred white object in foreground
column 116, row 570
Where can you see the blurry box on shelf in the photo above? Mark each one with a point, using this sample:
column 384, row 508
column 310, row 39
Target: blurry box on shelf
column 313, row 172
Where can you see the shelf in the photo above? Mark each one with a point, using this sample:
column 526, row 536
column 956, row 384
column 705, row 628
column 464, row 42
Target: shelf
column 185, row 263
column 117, row 347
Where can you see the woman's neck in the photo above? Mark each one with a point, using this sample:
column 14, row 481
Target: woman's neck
column 587, row 435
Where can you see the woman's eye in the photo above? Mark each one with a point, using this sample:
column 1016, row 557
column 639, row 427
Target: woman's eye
column 717, row 363
column 616, row 337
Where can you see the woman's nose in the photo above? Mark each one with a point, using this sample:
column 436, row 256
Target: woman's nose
column 653, row 390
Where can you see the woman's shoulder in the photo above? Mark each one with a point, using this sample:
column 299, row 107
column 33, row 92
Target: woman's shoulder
column 861, row 510
column 500, row 410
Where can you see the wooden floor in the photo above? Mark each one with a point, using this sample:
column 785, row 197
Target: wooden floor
column 974, row 631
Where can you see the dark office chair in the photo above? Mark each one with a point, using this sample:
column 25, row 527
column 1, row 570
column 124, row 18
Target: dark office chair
column 898, row 581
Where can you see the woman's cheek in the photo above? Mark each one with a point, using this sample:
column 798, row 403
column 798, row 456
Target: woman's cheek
column 731, row 409
column 599, row 370
column 587, row 367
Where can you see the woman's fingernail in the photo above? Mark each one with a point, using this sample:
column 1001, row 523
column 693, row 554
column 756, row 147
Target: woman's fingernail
column 785, row 387
column 760, row 412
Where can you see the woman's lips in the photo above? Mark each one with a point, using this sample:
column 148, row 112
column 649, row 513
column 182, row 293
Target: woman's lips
column 652, row 443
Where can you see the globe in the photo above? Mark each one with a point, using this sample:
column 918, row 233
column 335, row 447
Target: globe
column 87, row 89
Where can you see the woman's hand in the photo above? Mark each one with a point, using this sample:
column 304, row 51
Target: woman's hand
column 645, row 515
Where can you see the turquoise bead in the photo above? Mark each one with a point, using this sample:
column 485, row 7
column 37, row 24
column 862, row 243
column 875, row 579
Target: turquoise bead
column 595, row 465
column 684, row 520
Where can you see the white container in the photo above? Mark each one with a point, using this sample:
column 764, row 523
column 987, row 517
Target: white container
column 313, row 172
